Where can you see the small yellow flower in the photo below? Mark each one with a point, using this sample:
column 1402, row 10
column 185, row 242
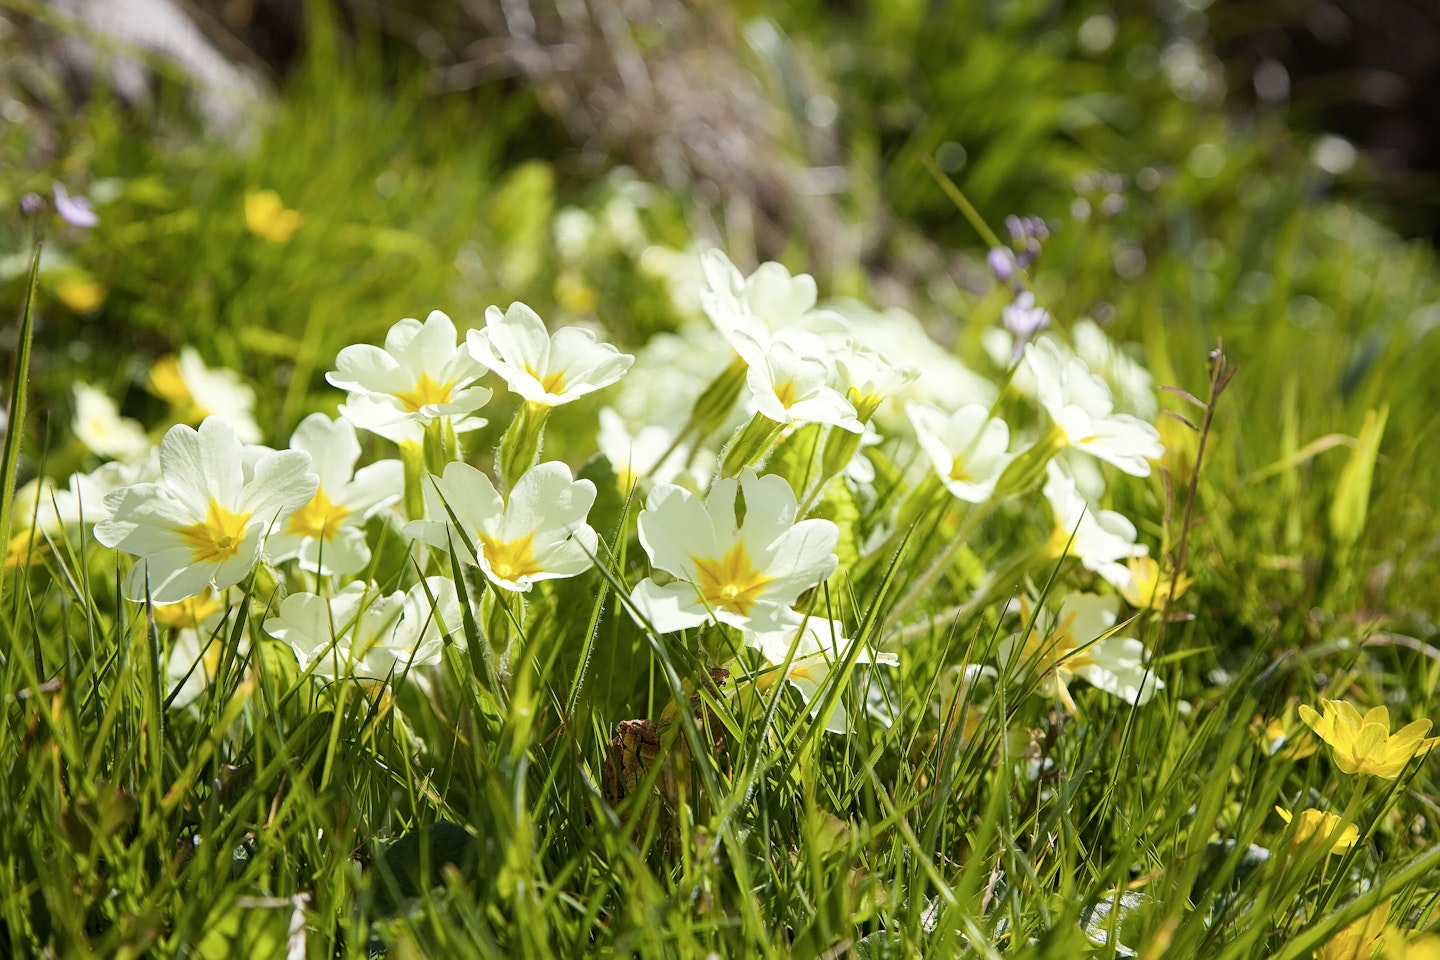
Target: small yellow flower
column 1363, row 939
column 81, row 295
column 1278, row 736
column 1317, row 826
column 268, row 218
column 1364, row 744
column 1147, row 588
column 1425, row 946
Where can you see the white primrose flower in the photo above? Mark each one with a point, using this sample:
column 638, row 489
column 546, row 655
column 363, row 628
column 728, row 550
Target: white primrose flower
column 421, row 374
column 1103, row 540
column 1133, row 385
column 100, row 427
column 789, row 386
column 200, row 632
column 743, row 574
column 1066, row 645
column 540, row 367
column 640, row 455
column 203, row 523
column 967, row 448
column 82, row 501
column 197, row 391
column 328, row 533
column 761, row 305
column 540, row 533
column 379, row 417
column 869, row 376
column 1080, row 404
column 361, row 633
column 819, row 647
column 943, row 380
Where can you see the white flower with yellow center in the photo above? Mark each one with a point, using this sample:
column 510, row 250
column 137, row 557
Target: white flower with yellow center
column 361, row 633
column 966, row 448
column 650, row 453
column 538, row 534
column 742, row 573
column 328, row 533
column 789, row 385
column 100, row 427
column 814, row 649
column 869, row 377
column 203, row 523
column 1083, row 411
column 540, row 367
column 763, row 304
column 1078, row 642
column 421, row 374
column 1102, row 540
column 197, row 391
column 199, row 631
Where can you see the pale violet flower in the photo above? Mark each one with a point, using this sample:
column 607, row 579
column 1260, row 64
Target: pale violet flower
column 421, row 374
column 544, row 368
column 967, row 448
column 539, row 533
column 743, row 574
column 100, row 427
column 787, row 386
column 74, row 210
column 197, row 392
column 328, row 533
column 203, row 523
column 1077, row 642
column 1084, row 414
column 1024, row 318
column 1102, row 540
column 813, row 648
column 362, row 633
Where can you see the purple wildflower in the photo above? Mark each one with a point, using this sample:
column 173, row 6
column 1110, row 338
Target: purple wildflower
column 75, row 211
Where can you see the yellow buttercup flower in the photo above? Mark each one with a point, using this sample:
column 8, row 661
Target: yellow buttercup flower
column 268, row 218
column 1147, row 588
column 1317, row 826
column 1363, row 939
column 1279, row 736
column 1364, row 744
column 81, row 294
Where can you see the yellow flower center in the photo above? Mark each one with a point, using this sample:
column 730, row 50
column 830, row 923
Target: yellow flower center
column 785, row 393
column 167, row 383
column 732, row 582
column 319, row 518
column 549, row 382
column 1055, row 650
column 188, row 612
column 958, row 471
column 218, row 537
column 426, row 391
column 512, row 560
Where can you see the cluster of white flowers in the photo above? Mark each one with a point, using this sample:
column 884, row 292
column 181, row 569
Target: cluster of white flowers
column 736, row 544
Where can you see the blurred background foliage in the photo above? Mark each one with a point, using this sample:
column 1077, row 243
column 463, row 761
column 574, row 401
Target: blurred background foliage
column 454, row 156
